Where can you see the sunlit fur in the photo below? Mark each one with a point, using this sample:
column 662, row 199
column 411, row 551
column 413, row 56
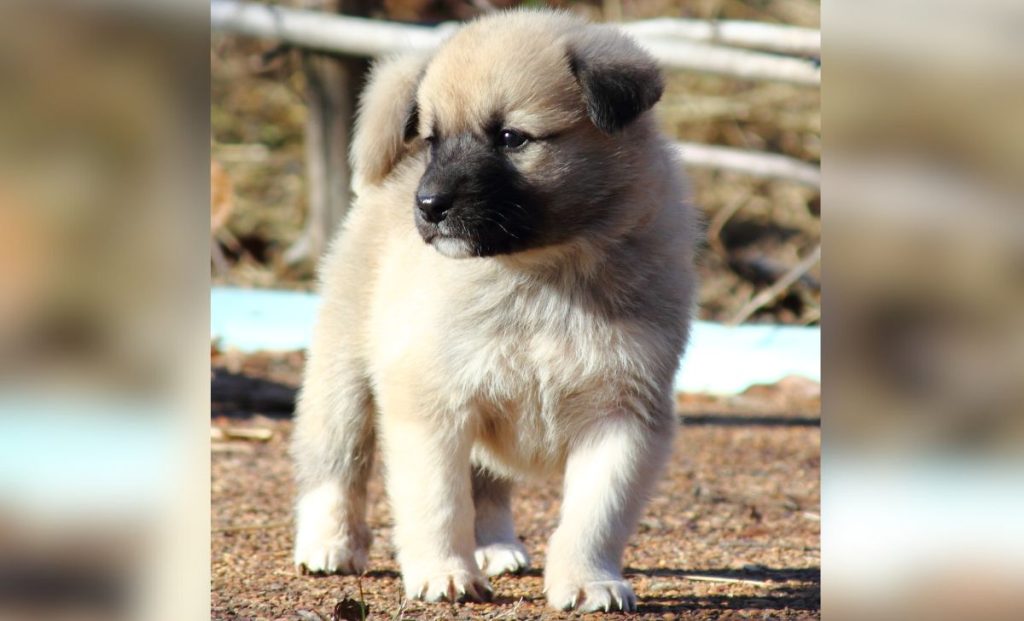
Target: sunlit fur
column 476, row 372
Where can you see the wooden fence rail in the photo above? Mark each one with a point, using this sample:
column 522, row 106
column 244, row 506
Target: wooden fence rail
column 678, row 44
column 755, row 35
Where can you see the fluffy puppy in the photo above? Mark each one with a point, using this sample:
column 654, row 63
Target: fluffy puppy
column 509, row 296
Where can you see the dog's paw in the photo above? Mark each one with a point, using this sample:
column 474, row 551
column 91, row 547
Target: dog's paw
column 453, row 586
column 331, row 550
column 327, row 541
column 606, row 595
column 502, row 557
column 345, row 555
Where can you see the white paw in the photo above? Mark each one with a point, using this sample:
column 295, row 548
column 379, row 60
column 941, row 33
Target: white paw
column 325, row 540
column 604, row 595
column 344, row 555
column 502, row 557
column 454, row 586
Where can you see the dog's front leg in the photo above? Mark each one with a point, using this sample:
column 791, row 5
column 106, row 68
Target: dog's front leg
column 610, row 472
column 428, row 478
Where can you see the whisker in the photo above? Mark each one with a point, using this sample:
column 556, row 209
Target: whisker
column 507, row 232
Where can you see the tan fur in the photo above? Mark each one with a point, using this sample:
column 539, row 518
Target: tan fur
column 378, row 142
column 554, row 359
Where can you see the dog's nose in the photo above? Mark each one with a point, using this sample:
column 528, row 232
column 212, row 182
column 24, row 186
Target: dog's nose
column 433, row 206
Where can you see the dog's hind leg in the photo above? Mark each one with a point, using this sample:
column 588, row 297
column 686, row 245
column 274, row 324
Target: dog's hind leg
column 498, row 550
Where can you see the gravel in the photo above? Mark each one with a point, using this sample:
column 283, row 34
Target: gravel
column 731, row 533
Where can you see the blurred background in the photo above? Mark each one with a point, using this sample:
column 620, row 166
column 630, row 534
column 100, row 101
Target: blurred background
column 923, row 430
column 104, row 508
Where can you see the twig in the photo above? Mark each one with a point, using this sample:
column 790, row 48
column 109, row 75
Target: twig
column 239, row 433
column 231, row 528
column 755, row 163
column 777, row 288
column 511, row 613
column 724, row 579
column 367, row 37
column 399, row 614
column 300, row 250
column 362, row 598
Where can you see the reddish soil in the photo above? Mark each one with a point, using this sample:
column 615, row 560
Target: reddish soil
column 732, row 532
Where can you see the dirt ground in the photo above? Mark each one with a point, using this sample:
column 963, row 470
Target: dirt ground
column 731, row 533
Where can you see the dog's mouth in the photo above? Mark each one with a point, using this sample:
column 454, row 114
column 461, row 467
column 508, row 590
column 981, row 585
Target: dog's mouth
column 430, row 231
column 478, row 228
column 447, row 237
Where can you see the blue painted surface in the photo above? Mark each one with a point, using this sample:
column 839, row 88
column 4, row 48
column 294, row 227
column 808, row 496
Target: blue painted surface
column 720, row 359
column 254, row 319
column 728, row 359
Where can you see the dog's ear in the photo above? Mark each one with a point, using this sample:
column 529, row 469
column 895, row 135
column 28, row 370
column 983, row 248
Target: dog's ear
column 619, row 80
column 387, row 121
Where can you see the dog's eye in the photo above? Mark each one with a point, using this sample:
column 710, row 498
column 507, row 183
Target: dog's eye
column 511, row 139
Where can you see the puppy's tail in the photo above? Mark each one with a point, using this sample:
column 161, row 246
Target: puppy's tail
column 386, row 123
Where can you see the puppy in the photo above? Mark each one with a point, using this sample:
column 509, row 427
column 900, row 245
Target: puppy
column 509, row 296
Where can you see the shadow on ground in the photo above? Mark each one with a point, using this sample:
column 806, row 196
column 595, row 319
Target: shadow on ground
column 782, row 594
column 236, row 395
column 762, row 420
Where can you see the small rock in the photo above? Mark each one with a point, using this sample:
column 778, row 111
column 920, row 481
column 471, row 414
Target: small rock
column 349, row 609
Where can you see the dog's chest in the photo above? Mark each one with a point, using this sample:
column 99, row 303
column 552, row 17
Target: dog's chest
column 530, row 353
column 476, row 339
column 530, row 365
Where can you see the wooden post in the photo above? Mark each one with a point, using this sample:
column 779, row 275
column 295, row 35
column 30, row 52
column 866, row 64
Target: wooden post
column 332, row 87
